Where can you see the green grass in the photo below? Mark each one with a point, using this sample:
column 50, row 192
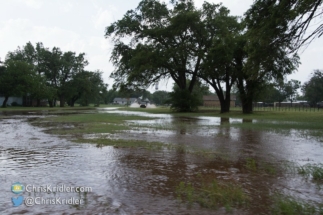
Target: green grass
column 251, row 164
column 212, row 194
column 260, row 167
column 290, row 116
column 97, row 118
column 312, row 122
column 102, row 125
column 44, row 108
column 87, row 128
column 311, row 170
column 303, row 129
column 307, row 124
column 287, row 205
column 104, row 140
column 87, row 123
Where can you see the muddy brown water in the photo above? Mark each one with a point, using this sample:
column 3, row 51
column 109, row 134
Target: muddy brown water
column 139, row 181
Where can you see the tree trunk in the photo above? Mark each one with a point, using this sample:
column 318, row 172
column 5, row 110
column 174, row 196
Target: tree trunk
column 227, row 100
column 50, row 102
column 74, row 99
column 73, row 102
column 61, row 101
column 4, row 103
column 38, row 103
column 226, row 108
column 225, row 104
column 246, row 105
column 224, row 101
column 246, row 94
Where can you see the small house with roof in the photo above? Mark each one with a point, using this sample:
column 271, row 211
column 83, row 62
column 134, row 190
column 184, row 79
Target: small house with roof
column 124, row 101
column 213, row 101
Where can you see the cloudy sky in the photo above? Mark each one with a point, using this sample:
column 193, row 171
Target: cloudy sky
column 78, row 25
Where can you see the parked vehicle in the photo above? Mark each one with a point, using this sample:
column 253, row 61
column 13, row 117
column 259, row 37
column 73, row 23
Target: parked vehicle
column 319, row 104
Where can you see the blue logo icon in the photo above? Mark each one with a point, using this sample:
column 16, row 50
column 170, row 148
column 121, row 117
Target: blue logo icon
column 17, row 201
column 17, row 188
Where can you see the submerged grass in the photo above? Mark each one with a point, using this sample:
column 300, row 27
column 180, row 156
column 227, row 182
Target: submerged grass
column 212, row 194
column 277, row 125
column 97, row 118
column 290, row 116
column 104, row 140
column 287, row 205
column 305, row 123
column 261, row 167
column 87, row 123
column 312, row 170
column 120, row 143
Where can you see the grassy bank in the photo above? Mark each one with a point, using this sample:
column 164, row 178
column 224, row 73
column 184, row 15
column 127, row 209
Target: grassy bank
column 286, row 115
column 287, row 205
column 92, row 123
column 66, row 108
column 237, row 113
column 212, row 194
column 307, row 124
column 206, row 190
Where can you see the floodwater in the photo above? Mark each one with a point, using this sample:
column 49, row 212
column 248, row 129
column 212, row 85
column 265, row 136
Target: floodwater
column 139, row 181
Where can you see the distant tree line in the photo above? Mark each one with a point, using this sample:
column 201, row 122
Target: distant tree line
column 53, row 75
column 208, row 45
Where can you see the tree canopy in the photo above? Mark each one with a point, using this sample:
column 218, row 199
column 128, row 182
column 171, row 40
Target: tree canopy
column 56, row 75
column 287, row 21
column 16, row 79
column 162, row 43
column 313, row 89
column 183, row 43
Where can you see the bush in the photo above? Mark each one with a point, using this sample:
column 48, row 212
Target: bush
column 183, row 100
column 14, row 104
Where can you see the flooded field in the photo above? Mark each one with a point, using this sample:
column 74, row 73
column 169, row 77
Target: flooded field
column 209, row 165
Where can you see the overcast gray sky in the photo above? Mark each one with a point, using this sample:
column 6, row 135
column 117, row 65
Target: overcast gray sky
column 78, row 25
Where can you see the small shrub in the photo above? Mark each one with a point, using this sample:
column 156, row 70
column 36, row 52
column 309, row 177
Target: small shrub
column 251, row 164
column 287, row 205
column 183, row 100
column 15, row 104
column 315, row 171
column 212, row 194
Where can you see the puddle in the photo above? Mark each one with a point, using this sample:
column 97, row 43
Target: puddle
column 128, row 181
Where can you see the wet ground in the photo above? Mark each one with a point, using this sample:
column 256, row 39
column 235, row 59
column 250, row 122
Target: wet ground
column 140, row 181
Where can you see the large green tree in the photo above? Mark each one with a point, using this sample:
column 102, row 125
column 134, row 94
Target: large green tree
column 16, row 79
column 181, row 100
column 59, row 75
column 313, row 89
column 220, row 35
column 286, row 90
column 162, row 43
column 59, row 69
column 34, row 56
column 287, row 20
column 70, row 64
column 261, row 57
column 96, row 89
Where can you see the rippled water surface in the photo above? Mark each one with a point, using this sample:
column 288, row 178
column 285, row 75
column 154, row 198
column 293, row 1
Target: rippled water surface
column 139, row 181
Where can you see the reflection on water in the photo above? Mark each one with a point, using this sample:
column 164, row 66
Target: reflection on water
column 128, row 181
